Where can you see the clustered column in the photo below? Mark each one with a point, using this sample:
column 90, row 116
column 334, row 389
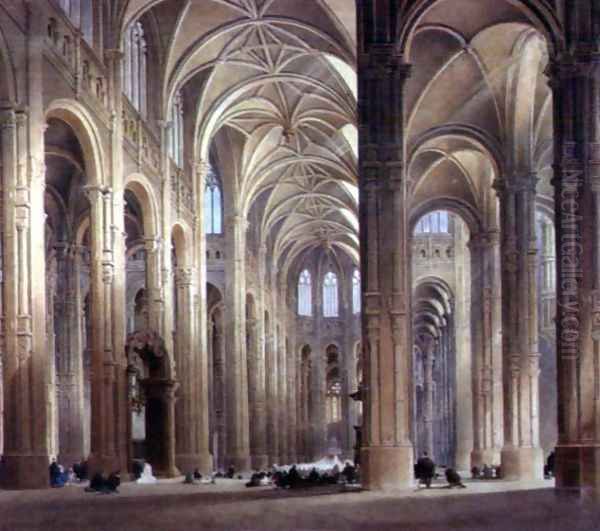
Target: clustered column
column 522, row 457
column 387, row 454
column 428, row 388
column 487, row 349
column 238, row 443
column 575, row 80
column 69, row 366
column 24, row 368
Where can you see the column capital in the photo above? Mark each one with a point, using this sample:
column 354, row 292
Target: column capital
column 184, row 276
column 113, row 54
column 484, row 239
column 94, row 192
column 516, row 182
column 152, row 244
column 201, row 167
column 8, row 117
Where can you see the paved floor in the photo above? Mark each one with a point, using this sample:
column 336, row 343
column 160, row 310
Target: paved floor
column 229, row 506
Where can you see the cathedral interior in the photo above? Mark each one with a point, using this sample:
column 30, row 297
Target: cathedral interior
column 246, row 233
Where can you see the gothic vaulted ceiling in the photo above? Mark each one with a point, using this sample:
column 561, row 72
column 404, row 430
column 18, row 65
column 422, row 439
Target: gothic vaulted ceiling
column 478, row 103
column 275, row 100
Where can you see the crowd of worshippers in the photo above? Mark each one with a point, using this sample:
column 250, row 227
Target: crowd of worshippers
column 295, row 478
column 78, row 473
column 426, row 471
column 486, row 472
column 60, row 476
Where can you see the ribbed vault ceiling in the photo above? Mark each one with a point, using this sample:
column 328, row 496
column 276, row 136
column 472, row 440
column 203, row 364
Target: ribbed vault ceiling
column 276, row 96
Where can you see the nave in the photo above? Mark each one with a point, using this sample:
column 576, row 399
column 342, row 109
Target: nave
column 246, row 233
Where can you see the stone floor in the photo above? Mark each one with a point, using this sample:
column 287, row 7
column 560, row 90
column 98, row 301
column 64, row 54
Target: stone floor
column 229, row 506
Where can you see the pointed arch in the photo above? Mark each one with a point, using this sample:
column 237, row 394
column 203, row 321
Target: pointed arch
column 78, row 118
column 139, row 185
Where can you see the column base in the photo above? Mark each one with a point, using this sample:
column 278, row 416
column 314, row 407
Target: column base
column 490, row 457
column 577, row 469
column 188, row 463
column 260, row 462
column 25, row 472
column 522, row 463
column 387, row 467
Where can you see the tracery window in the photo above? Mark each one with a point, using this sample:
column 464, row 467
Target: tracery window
column 334, row 401
column 213, row 213
column 80, row 13
column 434, row 223
column 304, row 294
column 330, row 295
column 134, row 66
column 356, row 291
column 176, row 130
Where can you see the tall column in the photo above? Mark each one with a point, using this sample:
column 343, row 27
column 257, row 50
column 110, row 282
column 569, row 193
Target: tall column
column 238, row 444
column 486, row 349
column 116, row 444
column 282, row 374
column 428, row 409
column 260, row 459
column 291, row 412
column 25, row 365
column 187, row 438
column 387, row 453
column 25, row 369
column 70, row 347
column 104, row 420
column 271, row 363
column 576, row 90
column 522, row 457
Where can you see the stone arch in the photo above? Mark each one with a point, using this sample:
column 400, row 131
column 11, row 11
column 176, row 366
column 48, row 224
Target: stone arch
column 139, row 185
column 8, row 89
column 463, row 210
column 541, row 16
column 78, row 118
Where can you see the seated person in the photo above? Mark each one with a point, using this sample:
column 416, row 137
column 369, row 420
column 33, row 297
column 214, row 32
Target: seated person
column 255, row 479
column 137, row 468
column 314, row 477
column 549, row 467
column 498, row 472
column 197, row 474
column 230, row 472
column 294, row 478
column 453, row 478
column 426, row 469
column 58, row 477
column 488, row 472
column 349, row 473
column 475, row 473
column 96, row 483
column 113, row 482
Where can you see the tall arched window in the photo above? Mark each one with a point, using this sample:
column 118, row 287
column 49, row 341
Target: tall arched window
column 434, row 223
column 176, row 130
column 330, row 295
column 356, row 291
column 213, row 217
column 134, row 66
column 80, row 13
column 304, row 294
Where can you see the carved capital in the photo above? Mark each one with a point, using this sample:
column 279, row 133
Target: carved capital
column 8, row 118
